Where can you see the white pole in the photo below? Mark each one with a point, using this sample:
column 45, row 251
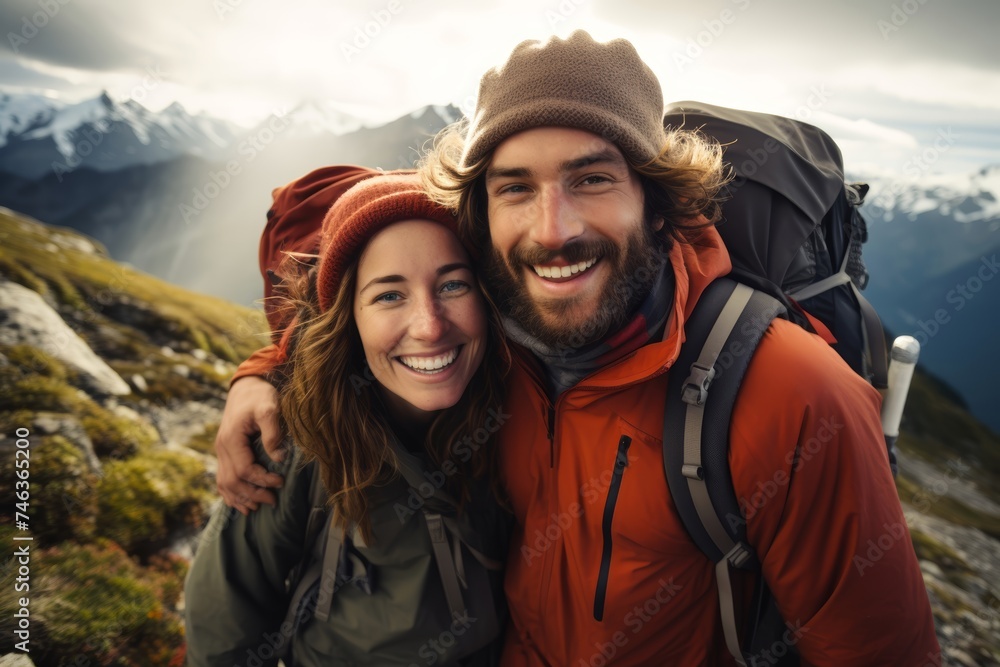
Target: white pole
column 903, row 360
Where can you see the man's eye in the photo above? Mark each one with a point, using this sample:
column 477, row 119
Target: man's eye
column 594, row 180
column 513, row 189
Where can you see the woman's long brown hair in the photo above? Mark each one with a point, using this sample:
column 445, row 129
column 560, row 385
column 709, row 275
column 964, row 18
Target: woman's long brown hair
column 333, row 409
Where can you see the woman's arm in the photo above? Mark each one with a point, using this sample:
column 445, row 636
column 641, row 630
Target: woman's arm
column 235, row 599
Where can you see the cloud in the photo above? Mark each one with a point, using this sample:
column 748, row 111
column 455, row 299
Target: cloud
column 98, row 35
column 383, row 58
column 862, row 129
column 817, row 34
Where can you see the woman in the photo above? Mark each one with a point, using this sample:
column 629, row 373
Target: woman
column 394, row 359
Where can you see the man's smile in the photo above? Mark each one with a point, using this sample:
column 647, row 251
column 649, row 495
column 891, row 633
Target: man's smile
column 553, row 271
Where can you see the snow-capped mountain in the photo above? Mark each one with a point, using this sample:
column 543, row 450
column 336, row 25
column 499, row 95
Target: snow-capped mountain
column 964, row 197
column 932, row 250
column 39, row 135
column 929, row 226
column 21, row 113
column 318, row 117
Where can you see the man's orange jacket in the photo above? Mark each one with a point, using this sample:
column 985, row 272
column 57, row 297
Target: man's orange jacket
column 810, row 469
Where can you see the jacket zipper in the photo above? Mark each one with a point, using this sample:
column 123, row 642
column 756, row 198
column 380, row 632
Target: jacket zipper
column 621, row 460
column 552, row 433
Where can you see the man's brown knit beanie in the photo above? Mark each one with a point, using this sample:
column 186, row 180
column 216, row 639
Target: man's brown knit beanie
column 576, row 82
column 362, row 212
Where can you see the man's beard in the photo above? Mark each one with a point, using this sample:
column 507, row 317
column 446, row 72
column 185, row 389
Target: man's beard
column 634, row 269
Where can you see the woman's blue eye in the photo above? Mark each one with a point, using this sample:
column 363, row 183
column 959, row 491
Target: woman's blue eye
column 388, row 297
column 454, row 286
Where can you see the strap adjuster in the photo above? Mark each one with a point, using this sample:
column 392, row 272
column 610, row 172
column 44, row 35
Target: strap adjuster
column 738, row 555
column 694, row 472
column 696, row 385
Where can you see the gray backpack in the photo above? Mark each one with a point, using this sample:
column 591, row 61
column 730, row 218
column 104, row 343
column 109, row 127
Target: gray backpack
column 794, row 233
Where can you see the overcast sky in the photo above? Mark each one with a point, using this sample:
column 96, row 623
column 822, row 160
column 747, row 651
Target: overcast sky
column 888, row 78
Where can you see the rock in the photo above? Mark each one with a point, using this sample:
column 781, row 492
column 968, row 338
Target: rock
column 220, row 367
column 181, row 370
column 185, row 545
column 167, row 352
column 52, row 247
column 959, row 657
column 70, row 428
column 930, row 569
column 199, row 354
column 178, row 421
column 139, row 383
column 953, row 483
column 16, row 660
column 966, row 628
column 114, row 407
column 131, row 312
column 26, row 319
column 76, row 243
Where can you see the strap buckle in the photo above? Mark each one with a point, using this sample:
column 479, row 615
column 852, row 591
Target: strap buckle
column 696, row 385
column 738, row 555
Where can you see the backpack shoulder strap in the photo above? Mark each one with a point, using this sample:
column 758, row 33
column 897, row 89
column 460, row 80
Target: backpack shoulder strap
column 309, row 570
column 721, row 336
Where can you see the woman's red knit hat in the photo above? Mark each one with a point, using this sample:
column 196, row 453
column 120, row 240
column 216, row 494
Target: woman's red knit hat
column 362, row 212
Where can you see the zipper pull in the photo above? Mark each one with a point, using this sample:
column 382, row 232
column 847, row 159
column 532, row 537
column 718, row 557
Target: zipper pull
column 621, row 458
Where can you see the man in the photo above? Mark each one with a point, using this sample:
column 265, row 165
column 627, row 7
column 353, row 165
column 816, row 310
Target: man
column 592, row 222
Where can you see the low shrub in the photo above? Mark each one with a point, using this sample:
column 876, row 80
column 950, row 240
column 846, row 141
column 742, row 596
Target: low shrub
column 62, row 490
column 92, row 604
column 144, row 499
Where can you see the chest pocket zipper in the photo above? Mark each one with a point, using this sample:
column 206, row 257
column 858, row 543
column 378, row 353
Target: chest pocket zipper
column 621, row 460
